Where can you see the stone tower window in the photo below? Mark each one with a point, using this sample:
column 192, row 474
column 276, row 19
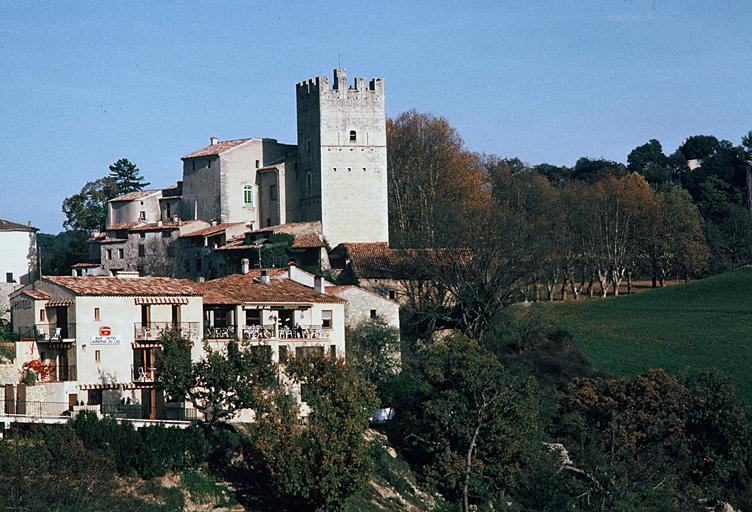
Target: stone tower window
column 353, row 136
column 248, row 196
column 308, row 181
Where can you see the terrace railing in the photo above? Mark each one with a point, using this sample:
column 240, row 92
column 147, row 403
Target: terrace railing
column 153, row 330
column 143, row 374
column 46, row 332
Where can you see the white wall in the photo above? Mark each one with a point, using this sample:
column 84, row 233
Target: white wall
column 18, row 254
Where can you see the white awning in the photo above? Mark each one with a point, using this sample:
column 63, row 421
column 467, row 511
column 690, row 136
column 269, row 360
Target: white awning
column 146, row 301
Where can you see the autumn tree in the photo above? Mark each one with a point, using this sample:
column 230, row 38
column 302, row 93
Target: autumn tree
column 435, row 184
column 319, row 464
column 219, row 385
column 468, row 424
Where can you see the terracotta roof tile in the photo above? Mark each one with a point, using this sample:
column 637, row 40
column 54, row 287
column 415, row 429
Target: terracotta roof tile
column 215, row 149
column 128, row 287
column 307, row 241
column 246, row 288
column 84, row 265
column 211, row 230
column 379, row 261
column 35, row 294
column 108, row 240
column 132, row 196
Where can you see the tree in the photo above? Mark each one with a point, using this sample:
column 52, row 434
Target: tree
column 58, row 252
column 435, row 184
column 87, row 210
column 222, row 383
column 127, row 177
column 747, row 147
column 465, row 421
column 320, row 464
column 650, row 161
column 373, row 349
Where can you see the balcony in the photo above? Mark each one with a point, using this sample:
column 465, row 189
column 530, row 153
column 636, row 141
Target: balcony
column 153, row 330
column 143, row 374
column 47, row 332
column 268, row 332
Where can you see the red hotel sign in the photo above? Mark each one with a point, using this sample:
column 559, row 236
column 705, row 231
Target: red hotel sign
column 105, row 331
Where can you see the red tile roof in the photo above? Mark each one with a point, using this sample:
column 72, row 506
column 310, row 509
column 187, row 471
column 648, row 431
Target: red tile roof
column 379, row 261
column 108, row 240
column 211, row 230
column 121, row 226
column 84, row 265
column 132, row 196
column 215, row 149
column 6, row 225
column 307, row 241
column 128, row 287
column 35, row 294
column 153, row 226
column 246, row 288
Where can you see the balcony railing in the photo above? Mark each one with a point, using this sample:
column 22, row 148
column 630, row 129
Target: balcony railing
column 153, row 330
column 143, row 374
column 60, row 374
column 268, row 332
column 47, row 332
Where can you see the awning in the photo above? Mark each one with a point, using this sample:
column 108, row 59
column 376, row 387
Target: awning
column 278, row 306
column 146, row 301
column 87, row 387
column 136, row 344
column 58, row 303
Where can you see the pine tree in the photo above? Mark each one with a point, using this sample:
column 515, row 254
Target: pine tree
column 127, row 176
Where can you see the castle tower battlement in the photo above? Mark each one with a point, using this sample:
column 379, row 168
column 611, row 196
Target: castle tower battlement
column 342, row 157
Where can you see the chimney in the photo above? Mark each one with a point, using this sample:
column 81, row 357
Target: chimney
column 214, row 222
column 74, row 273
column 290, row 269
column 265, row 279
column 127, row 274
column 319, row 285
column 213, row 140
column 201, row 279
column 245, row 265
column 159, row 223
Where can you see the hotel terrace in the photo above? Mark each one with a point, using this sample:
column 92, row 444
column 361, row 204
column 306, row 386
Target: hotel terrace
column 92, row 340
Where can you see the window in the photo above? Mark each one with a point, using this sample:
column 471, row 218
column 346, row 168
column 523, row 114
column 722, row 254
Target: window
column 193, row 165
column 373, row 313
column 248, row 196
column 42, row 315
column 283, row 354
column 141, row 251
column 273, row 192
column 326, row 319
column 349, row 169
column 168, row 211
column 333, row 351
column 142, row 215
column 9, row 277
column 98, row 356
column 108, row 254
column 142, row 235
column 334, row 169
column 392, row 294
column 121, row 253
column 96, row 313
column 257, row 164
column 364, row 169
column 353, row 136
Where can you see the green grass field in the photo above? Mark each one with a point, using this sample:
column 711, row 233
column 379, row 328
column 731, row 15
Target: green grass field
column 695, row 326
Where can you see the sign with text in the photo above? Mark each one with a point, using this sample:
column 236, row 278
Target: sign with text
column 105, row 331
column 105, row 340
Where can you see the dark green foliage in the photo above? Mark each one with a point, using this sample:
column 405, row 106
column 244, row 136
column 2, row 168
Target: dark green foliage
column 49, row 468
column 219, row 385
column 127, row 177
column 278, row 251
column 58, row 252
column 373, row 349
column 148, row 452
column 468, row 423
column 87, row 210
column 318, row 465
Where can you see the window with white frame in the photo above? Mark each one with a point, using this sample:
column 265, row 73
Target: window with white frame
column 326, row 319
column 248, row 196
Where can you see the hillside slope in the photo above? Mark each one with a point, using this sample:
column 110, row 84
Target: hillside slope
column 695, row 326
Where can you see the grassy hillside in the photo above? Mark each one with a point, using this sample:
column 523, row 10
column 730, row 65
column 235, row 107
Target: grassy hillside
column 699, row 325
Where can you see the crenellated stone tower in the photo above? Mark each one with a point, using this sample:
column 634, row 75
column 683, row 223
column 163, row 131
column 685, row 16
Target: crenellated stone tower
column 341, row 176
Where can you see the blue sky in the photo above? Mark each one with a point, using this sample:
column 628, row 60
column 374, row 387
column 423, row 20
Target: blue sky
column 86, row 83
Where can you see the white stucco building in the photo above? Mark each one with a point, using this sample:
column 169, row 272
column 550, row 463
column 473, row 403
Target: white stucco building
column 19, row 261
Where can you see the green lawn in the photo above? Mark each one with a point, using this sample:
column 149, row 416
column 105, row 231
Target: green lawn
column 694, row 326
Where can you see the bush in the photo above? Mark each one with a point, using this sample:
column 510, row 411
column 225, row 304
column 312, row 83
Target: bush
column 149, row 452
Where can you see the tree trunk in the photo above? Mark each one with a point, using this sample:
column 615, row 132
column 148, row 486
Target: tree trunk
column 629, row 283
column 468, row 467
column 654, row 280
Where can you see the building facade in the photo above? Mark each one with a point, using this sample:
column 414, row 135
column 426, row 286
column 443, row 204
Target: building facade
column 19, row 260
